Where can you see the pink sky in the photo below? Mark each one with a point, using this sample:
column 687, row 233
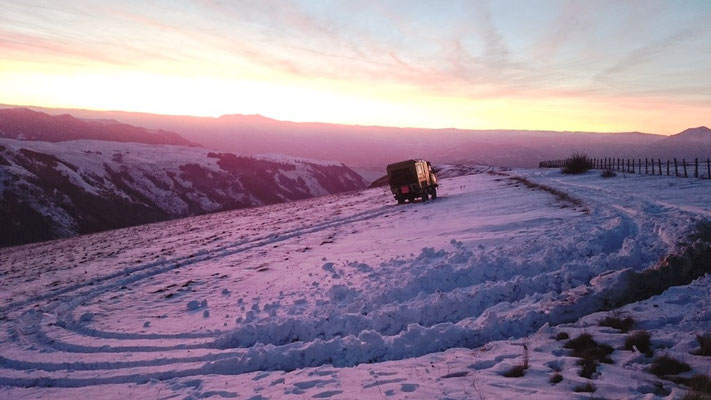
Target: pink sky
column 562, row 65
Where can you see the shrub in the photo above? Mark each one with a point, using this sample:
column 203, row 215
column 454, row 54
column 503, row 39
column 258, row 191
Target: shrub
column 577, row 164
column 608, row 173
column 704, row 345
column 555, row 378
column 589, row 367
column 665, row 365
column 562, row 336
column 586, row 388
column 516, row 371
column 623, row 324
column 694, row 396
column 640, row 340
column 698, row 383
column 584, row 346
column 590, row 353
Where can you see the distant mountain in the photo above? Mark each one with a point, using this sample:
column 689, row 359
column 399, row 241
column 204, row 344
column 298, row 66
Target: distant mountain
column 55, row 190
column 690, row 143
column 25, row 124
column 370, row 148
column 701, row 134
column 373, row 147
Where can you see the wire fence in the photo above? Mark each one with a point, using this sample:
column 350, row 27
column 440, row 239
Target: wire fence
column 646, row 166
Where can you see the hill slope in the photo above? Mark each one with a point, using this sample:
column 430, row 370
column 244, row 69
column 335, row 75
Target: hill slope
column 350, row 296
column 53, row 190
column 25, row 124
column 373, row 147
column 690, row 143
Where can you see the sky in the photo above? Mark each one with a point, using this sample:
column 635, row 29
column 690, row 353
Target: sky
column 603, row 65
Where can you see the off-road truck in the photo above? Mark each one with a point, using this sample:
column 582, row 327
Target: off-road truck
column 411, row 179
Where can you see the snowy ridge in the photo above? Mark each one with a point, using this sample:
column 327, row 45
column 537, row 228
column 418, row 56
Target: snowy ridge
column 275, row 301
column 86, row 186
column 292, row 159
column 25, row 124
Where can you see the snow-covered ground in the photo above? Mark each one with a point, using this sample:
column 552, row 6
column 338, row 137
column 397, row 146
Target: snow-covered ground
column 351, row 296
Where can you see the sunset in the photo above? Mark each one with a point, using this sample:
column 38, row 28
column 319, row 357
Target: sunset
column 355, row 199
column 557, row 65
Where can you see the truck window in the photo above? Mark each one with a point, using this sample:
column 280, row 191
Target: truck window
column 402, row 176
column 419, row 169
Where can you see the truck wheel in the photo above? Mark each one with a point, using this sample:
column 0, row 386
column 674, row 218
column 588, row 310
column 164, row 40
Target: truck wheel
column 400, row 200
column 425, row 196
column 434, row 193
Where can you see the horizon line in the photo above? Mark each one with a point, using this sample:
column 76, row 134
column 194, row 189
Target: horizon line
column 5, row 105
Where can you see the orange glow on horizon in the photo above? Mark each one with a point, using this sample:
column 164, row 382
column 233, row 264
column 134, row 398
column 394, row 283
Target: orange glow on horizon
column 209, row 62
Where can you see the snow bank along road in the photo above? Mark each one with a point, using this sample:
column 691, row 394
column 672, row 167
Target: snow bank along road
column 343, row 296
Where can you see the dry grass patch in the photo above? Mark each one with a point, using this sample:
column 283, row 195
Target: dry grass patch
column 562, row 336
column 665, row 366
column 624, row 324
column 608, row 173
column 704, row 345
column 586, row 388
column 516, row 371
column 590, row 353
column 640, row 341
column 698, row 383
column 577, row 164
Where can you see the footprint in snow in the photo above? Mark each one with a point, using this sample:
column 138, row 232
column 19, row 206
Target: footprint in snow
column 409, row 387
column 313, row 383
column 382, row 382
column 326, row 394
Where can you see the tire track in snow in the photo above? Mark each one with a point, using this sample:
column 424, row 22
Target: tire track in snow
column 27, row 328
column 355, row 328
column 167, row 265
column 358, row 345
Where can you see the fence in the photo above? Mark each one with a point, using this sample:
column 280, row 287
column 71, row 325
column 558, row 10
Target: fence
column 650, row 166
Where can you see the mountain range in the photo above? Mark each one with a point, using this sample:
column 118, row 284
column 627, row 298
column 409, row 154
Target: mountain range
column 62, row 174
column 25, row 124
column 59, row 181
column 370, row 148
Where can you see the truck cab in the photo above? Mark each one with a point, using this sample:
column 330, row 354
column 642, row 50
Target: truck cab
column 411, row 179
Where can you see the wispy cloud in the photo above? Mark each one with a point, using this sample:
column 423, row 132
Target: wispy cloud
column 468, row 52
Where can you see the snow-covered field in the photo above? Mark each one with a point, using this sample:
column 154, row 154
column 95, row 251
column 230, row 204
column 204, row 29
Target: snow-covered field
column 351, row 296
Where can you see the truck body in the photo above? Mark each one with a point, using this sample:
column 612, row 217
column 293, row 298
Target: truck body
column 411, row 179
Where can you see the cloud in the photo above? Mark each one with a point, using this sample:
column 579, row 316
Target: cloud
column 646, row 53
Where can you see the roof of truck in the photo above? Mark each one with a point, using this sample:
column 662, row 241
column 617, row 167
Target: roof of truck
column 403, row 163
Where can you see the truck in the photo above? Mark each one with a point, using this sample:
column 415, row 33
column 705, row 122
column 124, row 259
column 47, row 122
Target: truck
column 411, row 179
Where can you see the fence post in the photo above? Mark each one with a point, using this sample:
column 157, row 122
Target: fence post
column 618, row 164
column 676, row 168
column 659, row 160
column 683, row 163
column 696, row 168
column 708, row 165
column 646, row 169
column 667, row 167
column 639, row 165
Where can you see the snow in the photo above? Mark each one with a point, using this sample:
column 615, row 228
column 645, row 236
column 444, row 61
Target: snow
column 351, row 296
column 285, row 158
